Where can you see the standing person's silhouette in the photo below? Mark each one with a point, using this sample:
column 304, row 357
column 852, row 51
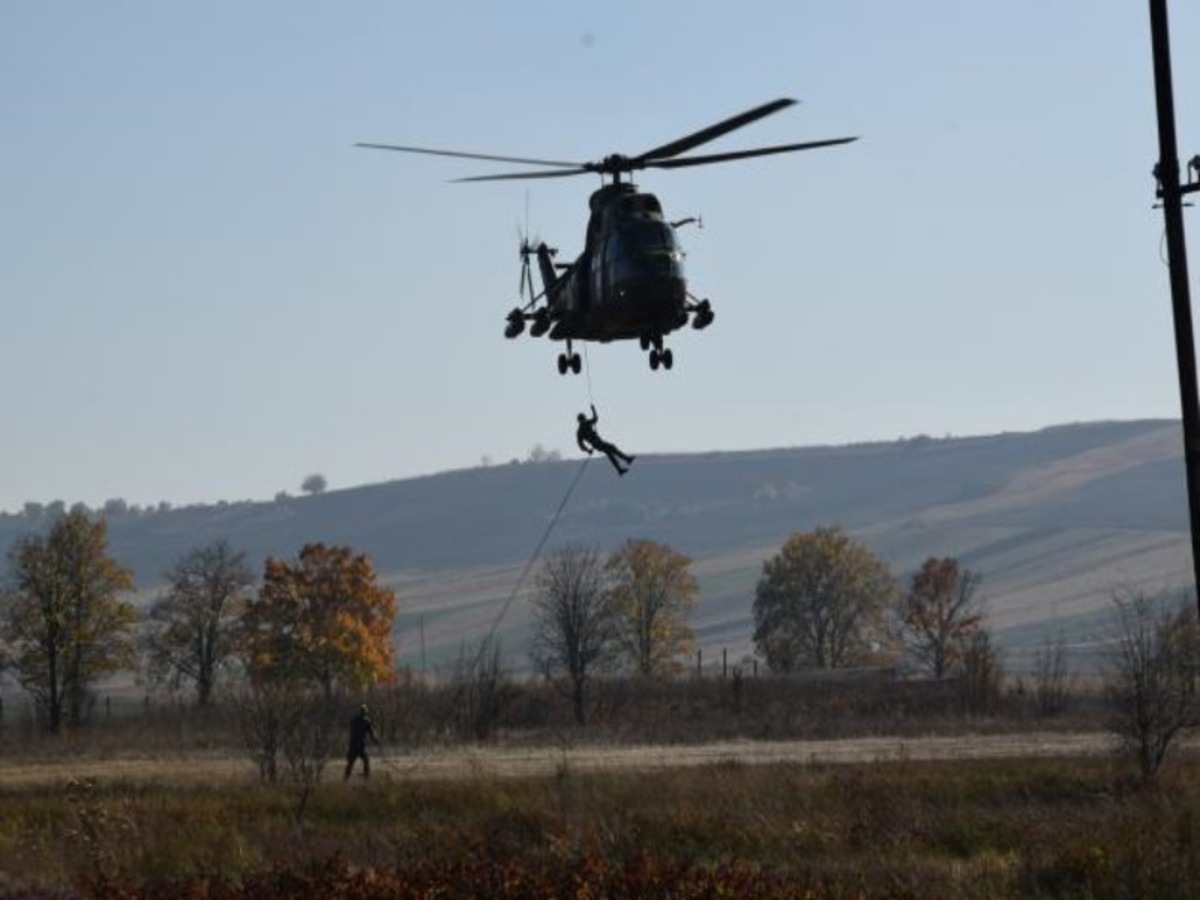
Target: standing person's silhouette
column 588, row 441
column 361, row 728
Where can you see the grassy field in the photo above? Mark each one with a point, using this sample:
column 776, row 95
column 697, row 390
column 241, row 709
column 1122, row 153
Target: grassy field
column 981, row 828
column 863, row 787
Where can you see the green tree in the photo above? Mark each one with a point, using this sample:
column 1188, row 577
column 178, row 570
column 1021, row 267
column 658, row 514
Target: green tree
column 193, row 623
column 820, row 602
column 940, row 615
column 574, row 623
column 321, row 619
column 64, row 621
column 653, row 592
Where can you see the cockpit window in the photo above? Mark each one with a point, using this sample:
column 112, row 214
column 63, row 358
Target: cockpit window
column 642, row 203
column 648, row 234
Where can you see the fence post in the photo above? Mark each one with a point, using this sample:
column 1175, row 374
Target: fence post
column 699, row 664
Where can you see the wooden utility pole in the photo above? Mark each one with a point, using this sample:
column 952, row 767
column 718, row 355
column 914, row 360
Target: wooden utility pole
column 1171, row 192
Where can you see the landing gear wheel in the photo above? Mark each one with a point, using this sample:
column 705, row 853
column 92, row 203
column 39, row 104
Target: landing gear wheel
column 668, row 359
column 516, row 324
column 562, row 364
column 541, row 323
column 645, row 342
column 577, row 364
column 654, row 360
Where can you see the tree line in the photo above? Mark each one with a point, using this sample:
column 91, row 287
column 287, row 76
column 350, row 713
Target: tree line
column 320, row 620
column 323, row 621
column 318, row 626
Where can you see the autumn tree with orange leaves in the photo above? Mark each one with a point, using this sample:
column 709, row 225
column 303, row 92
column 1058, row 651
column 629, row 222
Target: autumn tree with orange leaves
column 653, row 592
column 321, row 619
column 940, row 614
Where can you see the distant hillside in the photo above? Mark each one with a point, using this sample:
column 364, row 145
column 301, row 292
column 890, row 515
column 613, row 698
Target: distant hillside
column 1054, row 520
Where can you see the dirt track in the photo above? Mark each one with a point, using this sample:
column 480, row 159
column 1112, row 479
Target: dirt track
column 526, row 762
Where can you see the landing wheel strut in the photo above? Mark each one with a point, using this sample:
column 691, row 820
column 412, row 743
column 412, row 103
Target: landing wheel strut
column 658, row 355
column 569, row 361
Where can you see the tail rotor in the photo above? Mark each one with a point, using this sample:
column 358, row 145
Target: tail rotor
column 519, row 314
column 529, row 295
column 526, row 287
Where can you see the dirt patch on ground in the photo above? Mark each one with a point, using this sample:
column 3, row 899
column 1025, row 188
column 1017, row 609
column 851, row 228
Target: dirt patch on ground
column 500, row 762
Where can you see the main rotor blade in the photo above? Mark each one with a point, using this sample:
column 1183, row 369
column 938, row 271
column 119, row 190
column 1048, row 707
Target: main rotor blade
column 740, row 154
column 563, row 173
column 714, row 131
column 511, row 159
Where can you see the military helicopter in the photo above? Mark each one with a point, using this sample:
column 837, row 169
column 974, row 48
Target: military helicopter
column 628, row 282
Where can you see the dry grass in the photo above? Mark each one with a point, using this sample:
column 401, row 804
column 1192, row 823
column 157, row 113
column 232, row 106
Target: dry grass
column 1028, row 827
column 458, row 763
column 869, row 788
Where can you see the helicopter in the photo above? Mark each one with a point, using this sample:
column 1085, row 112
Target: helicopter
column 628, row 283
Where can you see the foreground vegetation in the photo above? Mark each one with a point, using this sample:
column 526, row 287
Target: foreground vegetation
column 315, row 640
column 971, row 828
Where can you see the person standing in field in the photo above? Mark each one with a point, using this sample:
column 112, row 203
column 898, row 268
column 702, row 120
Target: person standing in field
column 361, row 729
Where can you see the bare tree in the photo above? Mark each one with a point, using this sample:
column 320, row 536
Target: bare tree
column 289, row 729
column 193, row 624
column 1051, row 677
column 940, row 615
column 574, row 624
column 982, row 675
column 310, row 741
column 481, row 688
column 263, row 719
column 1151, row 682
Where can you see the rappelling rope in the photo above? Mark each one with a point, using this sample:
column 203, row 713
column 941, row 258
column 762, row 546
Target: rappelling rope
column 528, row 567
column 483, row 645
column 533, row 558
column 537, row 551
column 587, row 367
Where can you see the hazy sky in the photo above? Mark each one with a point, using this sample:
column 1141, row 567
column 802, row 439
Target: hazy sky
column 208, row 293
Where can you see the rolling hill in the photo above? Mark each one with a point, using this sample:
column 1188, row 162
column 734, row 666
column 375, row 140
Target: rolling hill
column 1054, row 520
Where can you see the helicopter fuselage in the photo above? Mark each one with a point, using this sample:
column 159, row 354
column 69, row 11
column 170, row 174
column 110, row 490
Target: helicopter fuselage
column 628, row 282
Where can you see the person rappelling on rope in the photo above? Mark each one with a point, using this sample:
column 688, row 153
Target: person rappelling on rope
column 589, row 441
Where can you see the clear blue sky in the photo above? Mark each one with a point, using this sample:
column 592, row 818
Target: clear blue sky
column 208, row 293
